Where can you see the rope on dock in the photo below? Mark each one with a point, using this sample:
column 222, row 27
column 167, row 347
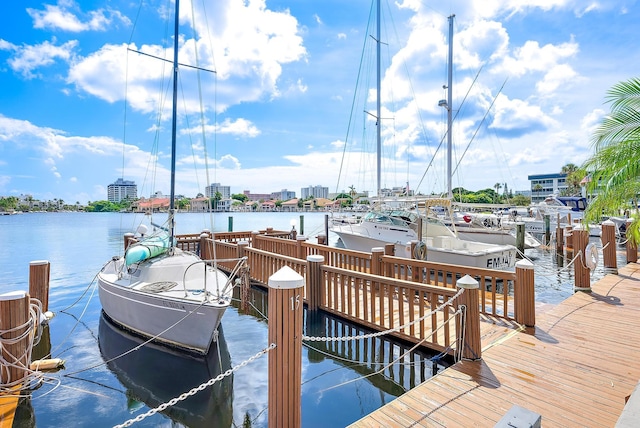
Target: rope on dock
column 382, row 333
column 31, row 378
column 195, row 390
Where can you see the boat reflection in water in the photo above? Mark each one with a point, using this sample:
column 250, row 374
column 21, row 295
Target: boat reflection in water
column 154, row 374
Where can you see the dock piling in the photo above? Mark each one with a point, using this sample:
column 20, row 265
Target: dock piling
column 608, row 238
column 471, row 346
column 39, row 275
column 582, row 273
column 632, row 247
column 15, row 330
column 314, row 282
column 285, row 360
column 525, row 299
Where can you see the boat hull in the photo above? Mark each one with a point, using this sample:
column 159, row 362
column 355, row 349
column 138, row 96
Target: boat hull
column 442, row 245
column 184, row 316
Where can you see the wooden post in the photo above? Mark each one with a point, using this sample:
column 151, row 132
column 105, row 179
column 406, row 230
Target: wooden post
column 412, row 248
column 230, row 224
column 376, row 260
column 14, row 314
column 300, row 239
column 559, row 239
column 520, row 239
column 472, row 347
column 301, row 226
column 581, row 271
column 632, row 248
column 547, row 229
column 322, row 239
column 315, row 283
column 608, row 238
column 246, row 280
column 128, row 239
column 39, row 275
column 285, row 360
column 569, row 238
column 389, row 249
column 524, row 294
column 205, row 254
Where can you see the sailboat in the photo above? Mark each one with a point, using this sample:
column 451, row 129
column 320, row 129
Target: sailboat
column 160, row 291
column 401, row 225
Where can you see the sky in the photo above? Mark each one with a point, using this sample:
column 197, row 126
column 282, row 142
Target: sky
column 281, row 94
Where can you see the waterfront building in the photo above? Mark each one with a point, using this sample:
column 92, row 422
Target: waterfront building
column 543, row 185
column 257, row 196
column 122, row 189
column 225, row 191
column 314, row 191
column 283, row 195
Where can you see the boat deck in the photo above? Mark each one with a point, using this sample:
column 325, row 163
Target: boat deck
column 575, row 368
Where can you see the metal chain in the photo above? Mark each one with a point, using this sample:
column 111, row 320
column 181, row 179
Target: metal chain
column 382, row 333
column 195, row 390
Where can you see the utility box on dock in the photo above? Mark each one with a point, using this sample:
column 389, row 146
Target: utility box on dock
column 519, row 417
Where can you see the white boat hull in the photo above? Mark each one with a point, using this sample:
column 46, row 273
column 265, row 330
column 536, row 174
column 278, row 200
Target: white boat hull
column 187, row 315
column 442, row 245
column 495, row 236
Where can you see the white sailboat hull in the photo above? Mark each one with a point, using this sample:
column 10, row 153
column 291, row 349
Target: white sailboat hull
column 174, row 299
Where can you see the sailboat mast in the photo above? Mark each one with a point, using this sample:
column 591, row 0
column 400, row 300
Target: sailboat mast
column 174, row 122
column 378, row 109
column 449, row 107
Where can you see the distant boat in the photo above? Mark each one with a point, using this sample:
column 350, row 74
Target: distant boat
column 399, row 226
column 158, row 290
column 155, row 374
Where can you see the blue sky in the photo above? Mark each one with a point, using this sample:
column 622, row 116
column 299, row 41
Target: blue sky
column 290, row 104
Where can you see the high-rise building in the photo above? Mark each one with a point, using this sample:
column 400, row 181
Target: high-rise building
column 122, row 189
column 225, row 191
column 315, row 191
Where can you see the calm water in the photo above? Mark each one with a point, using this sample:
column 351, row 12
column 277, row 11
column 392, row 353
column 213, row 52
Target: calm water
column 341, row 381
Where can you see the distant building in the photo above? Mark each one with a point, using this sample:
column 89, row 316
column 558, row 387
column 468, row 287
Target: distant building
column 314, row 191
column 122, row 189
column 257, row 196
column 543, row 185
column 225, row 191
column 283, row 195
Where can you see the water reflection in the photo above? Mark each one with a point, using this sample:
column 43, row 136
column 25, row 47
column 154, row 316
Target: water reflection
column 154, row 374
column 389, row 364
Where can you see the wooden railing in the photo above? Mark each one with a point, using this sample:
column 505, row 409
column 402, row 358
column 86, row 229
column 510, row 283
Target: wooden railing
column 385, row 303
column 497, row 288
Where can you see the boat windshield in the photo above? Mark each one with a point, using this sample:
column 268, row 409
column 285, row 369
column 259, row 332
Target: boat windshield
column 397, row 218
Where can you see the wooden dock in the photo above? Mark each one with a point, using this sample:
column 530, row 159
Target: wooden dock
column 575, row 368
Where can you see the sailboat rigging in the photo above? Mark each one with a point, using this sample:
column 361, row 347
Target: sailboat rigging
column 159, row 290
column 402, row 225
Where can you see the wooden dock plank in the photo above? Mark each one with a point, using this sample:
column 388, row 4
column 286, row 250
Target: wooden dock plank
column 575, row 368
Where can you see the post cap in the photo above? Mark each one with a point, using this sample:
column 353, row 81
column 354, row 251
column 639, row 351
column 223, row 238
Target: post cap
column 286, row 279
column 524, row 264
column 467, row 282
column 13, row 295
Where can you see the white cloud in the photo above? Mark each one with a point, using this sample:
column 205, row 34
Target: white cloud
column 28, row 58
column 63, row 16
column 248, row 60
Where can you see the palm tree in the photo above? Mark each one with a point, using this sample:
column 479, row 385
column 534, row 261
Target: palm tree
column 614, row 167
column 497, row 186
